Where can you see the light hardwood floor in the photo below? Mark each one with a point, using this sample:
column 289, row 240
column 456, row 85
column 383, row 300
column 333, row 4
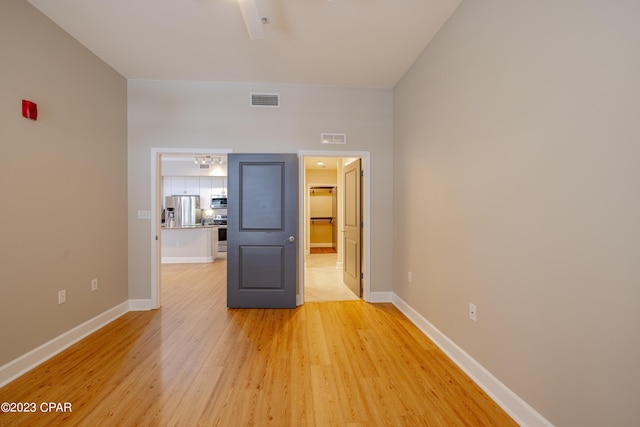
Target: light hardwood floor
column 195, row 362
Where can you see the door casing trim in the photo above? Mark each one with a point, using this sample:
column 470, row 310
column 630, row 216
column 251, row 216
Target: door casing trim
column 365, row 156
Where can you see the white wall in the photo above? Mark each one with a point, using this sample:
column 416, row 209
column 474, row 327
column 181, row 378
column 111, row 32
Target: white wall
column 517, row 188
column 217, row 115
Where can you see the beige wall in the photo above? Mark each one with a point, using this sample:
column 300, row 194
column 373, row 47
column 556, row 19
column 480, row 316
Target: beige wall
column 517, row 188
column 63, row 210
column 321, row 176
column 217, row 115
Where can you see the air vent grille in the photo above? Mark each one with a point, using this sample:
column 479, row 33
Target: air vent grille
column 265, row 99
column 333, row 138
column 204, row 166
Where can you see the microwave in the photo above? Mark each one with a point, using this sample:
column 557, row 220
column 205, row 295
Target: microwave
column 218, row 202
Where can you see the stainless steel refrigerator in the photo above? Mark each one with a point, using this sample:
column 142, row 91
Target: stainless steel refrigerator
column 186, row 210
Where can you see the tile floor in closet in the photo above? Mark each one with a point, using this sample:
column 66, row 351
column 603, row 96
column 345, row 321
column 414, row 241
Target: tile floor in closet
column 323, row 281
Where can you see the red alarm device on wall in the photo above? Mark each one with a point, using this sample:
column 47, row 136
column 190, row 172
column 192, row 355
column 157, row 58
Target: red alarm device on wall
column 29, row 110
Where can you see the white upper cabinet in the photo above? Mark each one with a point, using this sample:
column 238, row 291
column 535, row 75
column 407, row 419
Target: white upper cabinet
column 218, row 186
column 193, row 186
column 182, row 186
column 205, row 192
column 178, row 186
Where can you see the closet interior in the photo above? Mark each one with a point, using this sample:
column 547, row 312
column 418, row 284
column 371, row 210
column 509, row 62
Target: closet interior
column 323, row 213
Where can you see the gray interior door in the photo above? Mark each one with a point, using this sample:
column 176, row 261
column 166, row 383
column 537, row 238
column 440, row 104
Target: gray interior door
column 262, row 220
column 352, row 236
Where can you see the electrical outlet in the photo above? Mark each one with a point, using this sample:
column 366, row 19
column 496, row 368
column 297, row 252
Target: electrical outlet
column 409, row 277
column 142, row 214
column 94, row 285
column 473, row 312
column 62, row 296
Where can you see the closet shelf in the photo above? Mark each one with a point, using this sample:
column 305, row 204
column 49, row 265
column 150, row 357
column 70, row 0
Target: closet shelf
column 329, row 189
column 321, row 218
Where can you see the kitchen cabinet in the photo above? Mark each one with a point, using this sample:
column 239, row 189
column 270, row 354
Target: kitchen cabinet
column 205, row 192
column 181, row 186
column 192, row 186
column 178, row 186
column 189, row 244
column 218, row 186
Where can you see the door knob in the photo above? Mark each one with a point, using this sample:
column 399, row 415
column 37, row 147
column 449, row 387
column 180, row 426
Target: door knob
column 291, row 239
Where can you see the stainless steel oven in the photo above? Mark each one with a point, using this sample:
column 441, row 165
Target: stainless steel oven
column 222, row 238
column 221, row 221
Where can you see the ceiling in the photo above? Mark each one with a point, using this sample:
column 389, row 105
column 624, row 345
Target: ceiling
column 319, row 163
column 353, row 43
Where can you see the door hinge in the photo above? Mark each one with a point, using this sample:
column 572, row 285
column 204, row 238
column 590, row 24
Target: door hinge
column 361, row 275
column 361, row 172
column 156, row 237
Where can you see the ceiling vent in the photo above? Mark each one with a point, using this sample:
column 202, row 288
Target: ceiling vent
column 333, row 138
column 265, row 99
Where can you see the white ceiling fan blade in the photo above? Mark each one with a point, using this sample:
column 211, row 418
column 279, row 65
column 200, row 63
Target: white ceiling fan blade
column 252, row 18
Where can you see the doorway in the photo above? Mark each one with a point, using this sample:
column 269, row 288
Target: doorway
column 322, row 226
column 179, row 157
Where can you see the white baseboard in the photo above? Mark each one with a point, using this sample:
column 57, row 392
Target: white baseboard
column 140, row 305
column 380, row 297
column 28, row 361
column 517, row 408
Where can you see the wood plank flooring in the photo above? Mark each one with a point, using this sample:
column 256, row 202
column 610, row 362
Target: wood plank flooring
column 195, row 362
